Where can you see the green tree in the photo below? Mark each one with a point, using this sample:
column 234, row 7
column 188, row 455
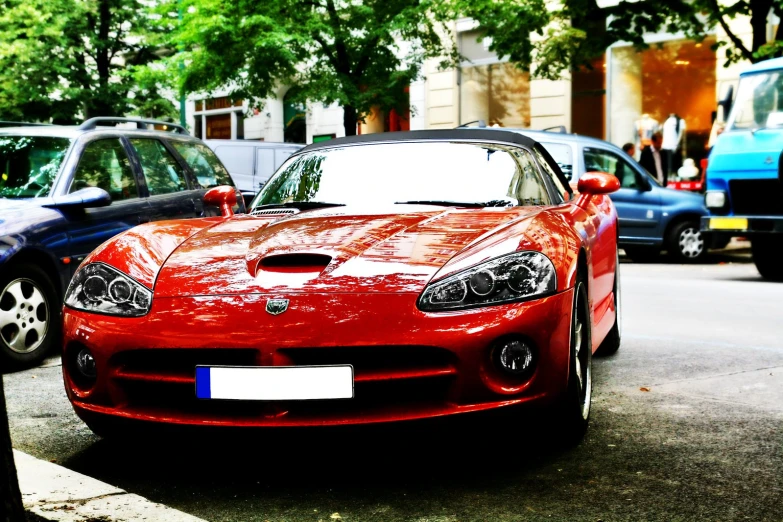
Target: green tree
column 66, row 59
column 332, row 50
column 577, row 31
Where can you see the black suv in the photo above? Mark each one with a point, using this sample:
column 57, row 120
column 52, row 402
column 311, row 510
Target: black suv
column 65, row 190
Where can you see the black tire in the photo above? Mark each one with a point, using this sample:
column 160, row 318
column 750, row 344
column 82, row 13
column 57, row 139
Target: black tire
column 685, row 243
column 768, row 257
column 611, row 343
column 572, row 413
column 28, row 299
column 642, row 254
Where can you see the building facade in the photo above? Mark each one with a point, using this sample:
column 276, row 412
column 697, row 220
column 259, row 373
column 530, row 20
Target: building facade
column 622, row 95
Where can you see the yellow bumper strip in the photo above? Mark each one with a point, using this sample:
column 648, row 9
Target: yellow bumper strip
column 728, row 223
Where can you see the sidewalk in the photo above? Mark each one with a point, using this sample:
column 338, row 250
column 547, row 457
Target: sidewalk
column 54, row 493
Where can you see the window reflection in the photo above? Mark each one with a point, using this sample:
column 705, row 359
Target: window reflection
column 396, row 172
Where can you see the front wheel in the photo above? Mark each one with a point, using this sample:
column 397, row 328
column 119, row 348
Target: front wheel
column 686, row 243
column 29, row 316
column 768, row 257
column 573, row 411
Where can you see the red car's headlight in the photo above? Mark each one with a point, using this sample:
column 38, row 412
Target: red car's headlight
column 103, row 289
column 513, row 277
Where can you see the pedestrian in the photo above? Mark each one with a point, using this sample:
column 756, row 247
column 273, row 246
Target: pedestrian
column 630, row 149
column 655, row 159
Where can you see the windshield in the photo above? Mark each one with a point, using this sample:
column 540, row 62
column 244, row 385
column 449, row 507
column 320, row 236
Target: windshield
column 759, row 102
column 29, row 165
column 477, row 174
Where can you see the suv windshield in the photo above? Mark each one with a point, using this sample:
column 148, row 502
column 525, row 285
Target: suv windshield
column 759, row 102
column 434, row 172
column 28, row 165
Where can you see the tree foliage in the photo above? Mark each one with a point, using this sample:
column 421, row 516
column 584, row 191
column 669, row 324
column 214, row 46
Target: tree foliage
column 68, row 59
column 344, row 51
column 577, row 31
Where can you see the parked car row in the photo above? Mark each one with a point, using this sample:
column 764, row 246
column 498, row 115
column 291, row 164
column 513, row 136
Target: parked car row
column 652, row 218
column 65, row 190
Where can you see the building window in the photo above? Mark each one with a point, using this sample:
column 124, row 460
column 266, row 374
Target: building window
column 219, row 127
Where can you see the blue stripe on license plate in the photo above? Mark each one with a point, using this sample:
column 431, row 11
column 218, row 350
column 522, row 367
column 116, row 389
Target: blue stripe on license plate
column 203, row 386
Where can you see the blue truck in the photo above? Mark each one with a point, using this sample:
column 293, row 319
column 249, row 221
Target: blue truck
column 744, row 192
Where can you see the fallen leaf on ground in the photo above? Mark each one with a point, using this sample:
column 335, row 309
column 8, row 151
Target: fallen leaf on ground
column 644, row 389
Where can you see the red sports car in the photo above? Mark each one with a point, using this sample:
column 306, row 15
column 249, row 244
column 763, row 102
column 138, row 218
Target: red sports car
column 377, row 278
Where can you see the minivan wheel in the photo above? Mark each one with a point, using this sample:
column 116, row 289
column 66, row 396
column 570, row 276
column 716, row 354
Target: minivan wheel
column 686, row 243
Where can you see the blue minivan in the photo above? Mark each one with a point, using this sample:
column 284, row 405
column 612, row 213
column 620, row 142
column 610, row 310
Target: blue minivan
column 652, row 218
column 64, row 191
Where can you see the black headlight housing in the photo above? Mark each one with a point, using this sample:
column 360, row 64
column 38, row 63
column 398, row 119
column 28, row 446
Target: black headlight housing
column 514, row 277
column 102, row 289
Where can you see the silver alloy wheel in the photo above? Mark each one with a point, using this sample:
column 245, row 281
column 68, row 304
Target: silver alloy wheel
column 691, row 243
column 24, row 316
column 584, row 373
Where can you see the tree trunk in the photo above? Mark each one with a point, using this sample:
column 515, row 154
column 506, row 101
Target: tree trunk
column 349, row 120
column 11, row 509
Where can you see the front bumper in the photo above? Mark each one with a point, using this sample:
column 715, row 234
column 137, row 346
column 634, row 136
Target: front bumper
column 741, row 226
column 408, row 364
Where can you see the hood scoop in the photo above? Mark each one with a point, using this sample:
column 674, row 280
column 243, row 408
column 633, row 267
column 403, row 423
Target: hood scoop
column 296, row 263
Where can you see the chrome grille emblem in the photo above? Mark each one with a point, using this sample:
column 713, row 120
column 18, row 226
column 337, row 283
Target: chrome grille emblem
column 276, row 306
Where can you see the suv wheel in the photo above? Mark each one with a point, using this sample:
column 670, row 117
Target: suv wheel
column 29, row 316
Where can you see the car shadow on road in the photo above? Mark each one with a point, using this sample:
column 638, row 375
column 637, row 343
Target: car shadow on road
column 486, row 449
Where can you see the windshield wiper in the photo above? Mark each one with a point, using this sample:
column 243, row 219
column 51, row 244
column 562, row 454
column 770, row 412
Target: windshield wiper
column 467, row 204
column 303, row 205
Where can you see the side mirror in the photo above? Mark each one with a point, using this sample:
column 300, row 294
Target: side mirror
column 593, row 184
column 224, row 197
column 88, row 197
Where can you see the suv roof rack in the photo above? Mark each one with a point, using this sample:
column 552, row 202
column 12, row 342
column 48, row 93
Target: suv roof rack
column 92, row 123
column 558, row 128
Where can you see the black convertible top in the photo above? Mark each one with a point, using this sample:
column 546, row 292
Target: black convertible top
column 459, row 134
column 444, row 134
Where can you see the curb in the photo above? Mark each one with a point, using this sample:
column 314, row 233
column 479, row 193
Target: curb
column 54, row 493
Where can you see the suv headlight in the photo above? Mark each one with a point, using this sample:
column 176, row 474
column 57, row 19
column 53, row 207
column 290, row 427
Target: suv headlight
column 102, row 289
column 513, row 277
column 715, row 199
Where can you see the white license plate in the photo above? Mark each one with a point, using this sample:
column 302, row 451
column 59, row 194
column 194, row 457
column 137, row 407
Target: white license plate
column 274, row 383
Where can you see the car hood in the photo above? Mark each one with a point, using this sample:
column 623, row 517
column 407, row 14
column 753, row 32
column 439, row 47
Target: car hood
column 330, row 251
column 18, row 216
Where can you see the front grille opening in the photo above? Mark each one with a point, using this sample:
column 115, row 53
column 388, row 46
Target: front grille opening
column 181, row 362
column 756, row 197
column 369, row 358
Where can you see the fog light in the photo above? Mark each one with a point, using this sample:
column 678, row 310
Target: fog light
column 514, row 357
column 85, row 363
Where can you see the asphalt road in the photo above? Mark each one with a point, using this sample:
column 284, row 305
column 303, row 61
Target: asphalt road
column 687, row 424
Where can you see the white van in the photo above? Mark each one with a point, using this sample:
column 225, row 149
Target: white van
column 251, row 163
